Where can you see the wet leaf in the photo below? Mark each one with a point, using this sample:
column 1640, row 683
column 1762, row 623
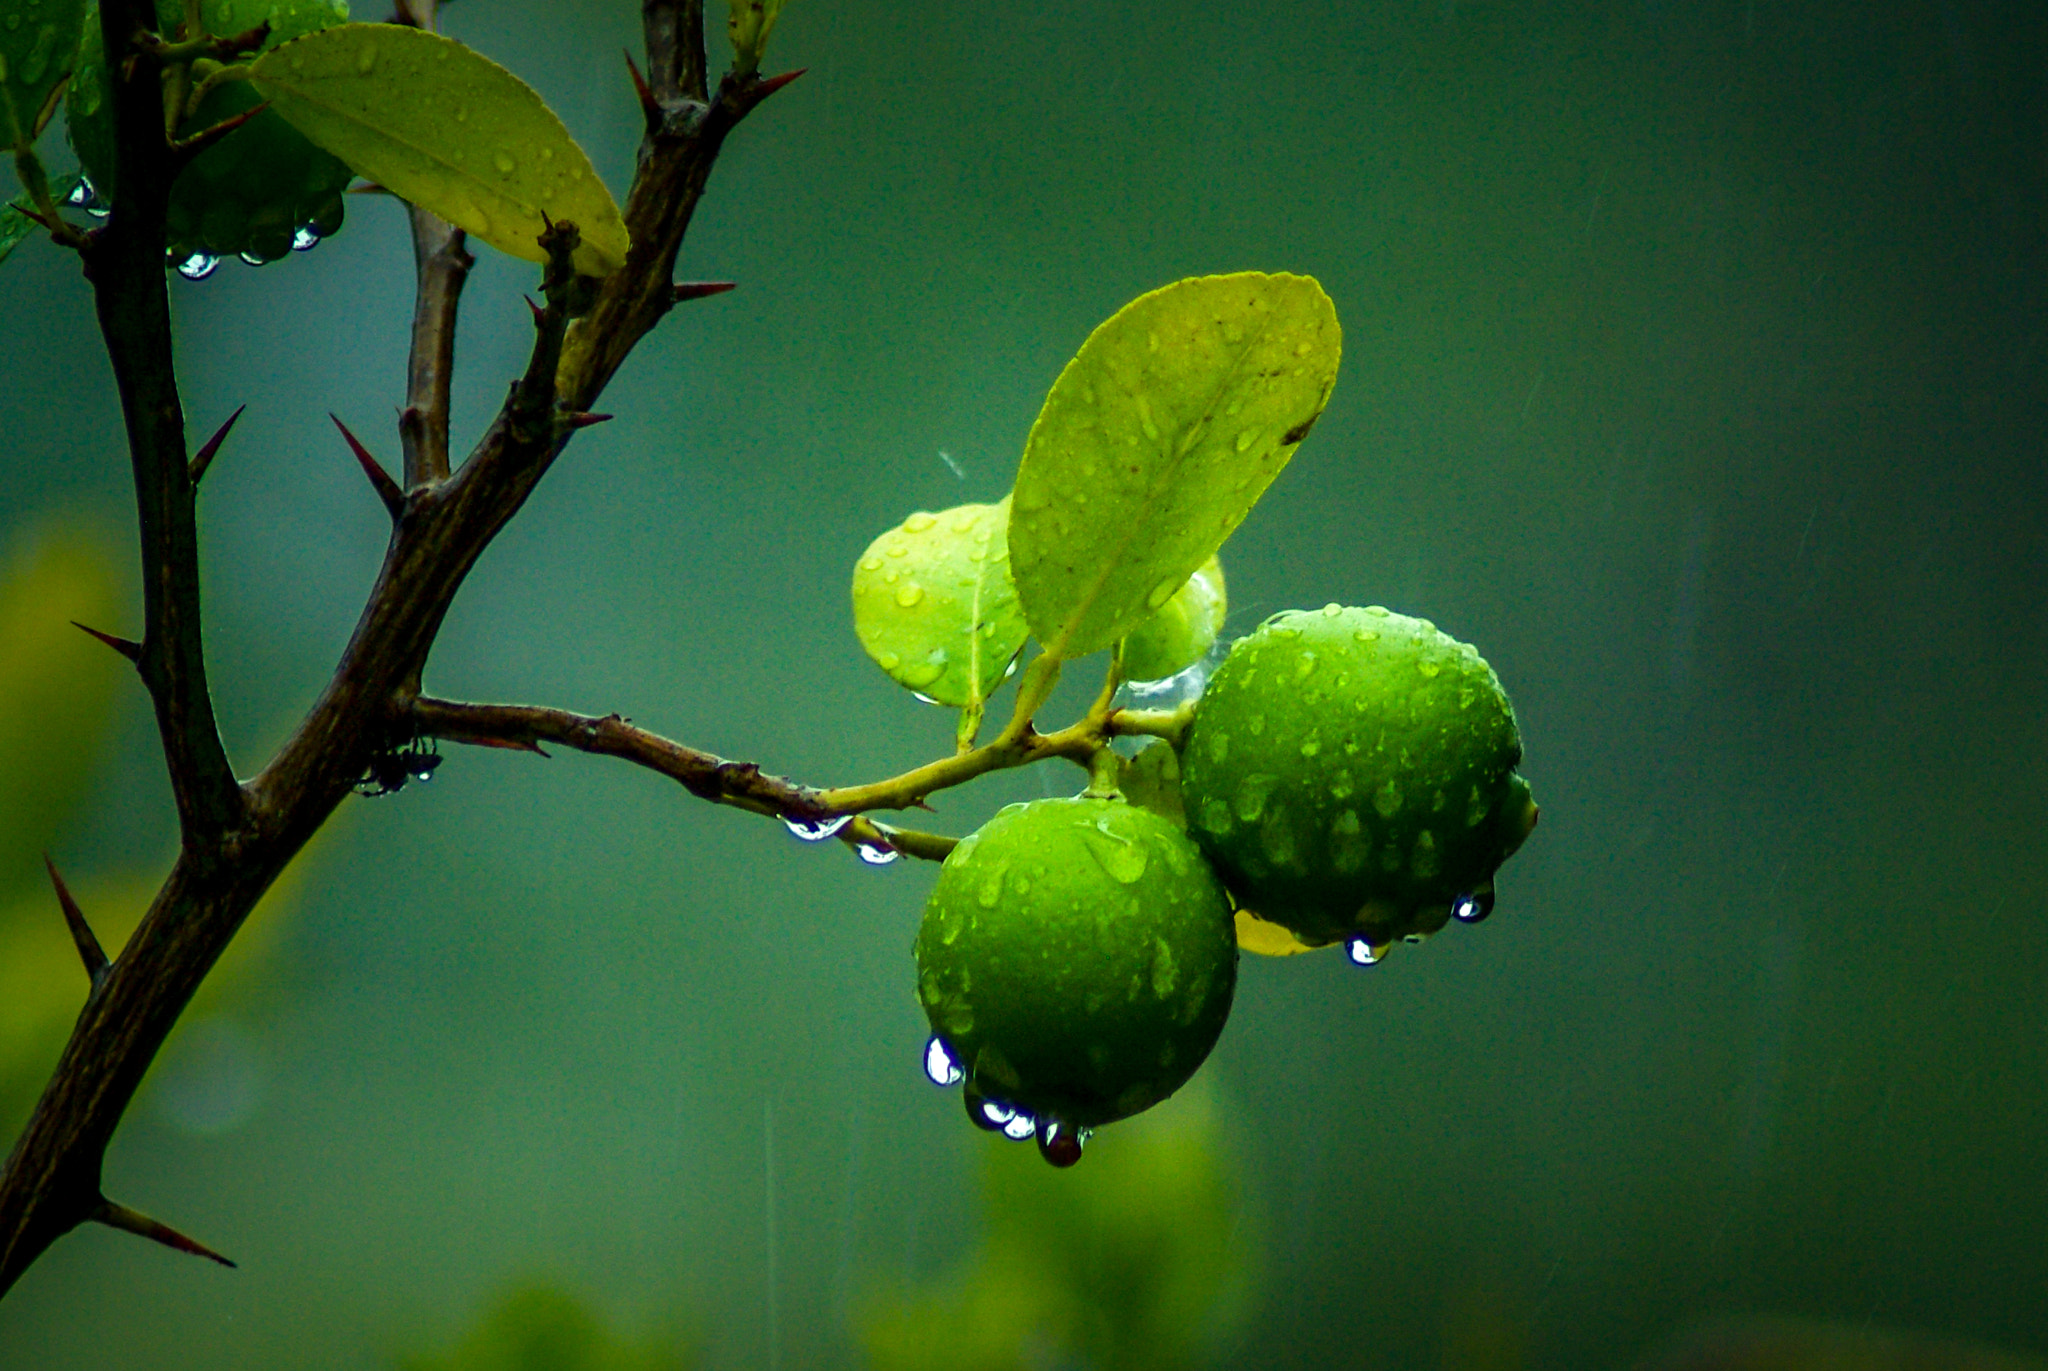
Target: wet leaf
column 38, row 44
column 449, row 130
column 1155, row 442
column 934, row 606
column 1182, row 631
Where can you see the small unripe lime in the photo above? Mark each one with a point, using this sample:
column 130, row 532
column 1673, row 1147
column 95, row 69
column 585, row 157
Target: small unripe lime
column 1077, row 961
column 255, row 189
column 1181, row 631
column 1351, row 772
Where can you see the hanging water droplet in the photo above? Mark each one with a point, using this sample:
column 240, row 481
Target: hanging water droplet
column 305, row 238
column 253, row 260
column 1060, row 1143
column 922, row 698
column 816, row 830
column 876, row 854
column 81, row 194
column 1363, row 952
column 939, row 1065
column 986, row 1114
column 1019, row 1126
column 198, row 266
column 1472, row 907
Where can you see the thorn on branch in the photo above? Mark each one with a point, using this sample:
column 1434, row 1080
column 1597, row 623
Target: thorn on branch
column 697, row 290
column 127, row 647
column 575, row 419
column 763, row 89
column 650, row 107
column 81, row 932
column 129, row 1221
column 386, row 488
column 185, row 149
column 203, row 458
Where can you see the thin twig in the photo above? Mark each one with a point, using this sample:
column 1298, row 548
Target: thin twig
column 442, row 261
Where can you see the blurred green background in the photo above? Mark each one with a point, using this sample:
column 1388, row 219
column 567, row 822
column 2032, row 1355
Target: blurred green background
column 1694, row 372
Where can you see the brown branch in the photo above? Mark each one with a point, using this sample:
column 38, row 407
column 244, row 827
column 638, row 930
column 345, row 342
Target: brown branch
column 125, row 262
column 442, row 262
column 705, row 775
column 237, row 839
column 676, row 68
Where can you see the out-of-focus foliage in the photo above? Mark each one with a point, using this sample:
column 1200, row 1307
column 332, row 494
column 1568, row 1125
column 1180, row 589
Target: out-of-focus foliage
column 540, row 1328
column 1781, row 1344
column 1137, row 1259
column 57, row 698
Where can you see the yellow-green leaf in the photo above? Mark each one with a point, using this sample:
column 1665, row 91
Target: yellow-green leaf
column 1183, row 629
column 449, row 130
column 1156, row 441
column 934, row 606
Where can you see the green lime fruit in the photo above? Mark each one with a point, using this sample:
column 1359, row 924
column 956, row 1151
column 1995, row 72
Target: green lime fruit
column 1351, row 772
column 1180, row 633
column 1076, row 961
column 254, row 192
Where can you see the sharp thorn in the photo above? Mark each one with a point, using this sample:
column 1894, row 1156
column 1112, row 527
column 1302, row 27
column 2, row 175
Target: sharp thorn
column 188, row 148
column 127, row 647
column 129, row 1221
column 697, row 290
column 580, row 419
column 649, row 106
column 539, row 320
column 203, row 458
column 776, row 83
column 81, row 932
column 386, row 488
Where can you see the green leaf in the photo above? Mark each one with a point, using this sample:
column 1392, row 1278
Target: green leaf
column 1156, row 441
column 1182, row 631
column 16, row 225
column 934, row 606
column 449, row 130
column 38, row 44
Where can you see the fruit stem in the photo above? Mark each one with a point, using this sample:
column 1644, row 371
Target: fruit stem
column 1104, row 768
column 1114, row 677
column 1170, row 724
